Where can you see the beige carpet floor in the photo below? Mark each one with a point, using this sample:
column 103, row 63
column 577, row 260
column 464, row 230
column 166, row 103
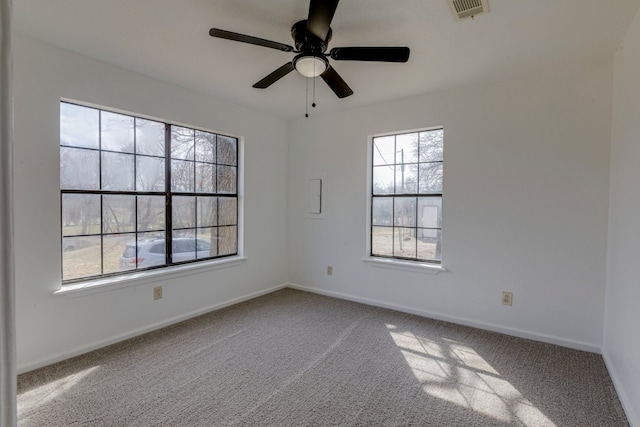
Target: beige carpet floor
column 295, row 358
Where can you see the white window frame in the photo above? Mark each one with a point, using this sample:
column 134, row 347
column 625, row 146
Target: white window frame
column 418, row 266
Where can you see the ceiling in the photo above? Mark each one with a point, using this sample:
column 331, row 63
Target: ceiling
column 169, row 40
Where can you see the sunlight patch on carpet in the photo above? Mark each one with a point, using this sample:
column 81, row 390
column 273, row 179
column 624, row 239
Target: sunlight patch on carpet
column 454, row 372
column 52, row 390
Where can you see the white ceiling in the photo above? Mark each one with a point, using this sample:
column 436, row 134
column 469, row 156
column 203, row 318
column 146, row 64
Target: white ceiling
column 168, row 39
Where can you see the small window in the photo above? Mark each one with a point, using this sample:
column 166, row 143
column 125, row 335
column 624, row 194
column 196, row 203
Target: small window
column 406, row 195
column 158, row 248
column 131, row 187
column 203, row 246
column 129, row 252
column 182, row 246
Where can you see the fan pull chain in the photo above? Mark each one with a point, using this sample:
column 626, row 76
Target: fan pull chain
column 314, row 85
column 314, row 92
column 306, row 102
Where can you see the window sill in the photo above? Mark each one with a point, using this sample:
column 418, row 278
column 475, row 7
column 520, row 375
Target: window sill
column 142, row 277
column 414, row 266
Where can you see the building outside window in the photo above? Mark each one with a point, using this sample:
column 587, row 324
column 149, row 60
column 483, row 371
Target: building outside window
column 406, row 196
column 139, row 194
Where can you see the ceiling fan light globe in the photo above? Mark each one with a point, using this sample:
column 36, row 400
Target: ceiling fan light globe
column 310, row 65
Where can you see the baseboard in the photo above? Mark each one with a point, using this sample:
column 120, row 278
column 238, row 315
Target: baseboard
column 629, row 410
column 103, row 343
column 551, row 339
column 424, row 313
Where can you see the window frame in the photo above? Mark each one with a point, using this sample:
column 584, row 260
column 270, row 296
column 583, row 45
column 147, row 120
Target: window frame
column 167, row 193
column 432, row 266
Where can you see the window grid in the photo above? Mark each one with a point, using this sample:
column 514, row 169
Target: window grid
column 421, row 231
column 97, row 225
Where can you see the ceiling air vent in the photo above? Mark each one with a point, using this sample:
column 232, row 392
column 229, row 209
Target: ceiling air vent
column 463, row 9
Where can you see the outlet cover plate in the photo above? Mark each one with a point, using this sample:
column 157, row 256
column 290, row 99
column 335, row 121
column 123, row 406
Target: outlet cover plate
column 507, row 298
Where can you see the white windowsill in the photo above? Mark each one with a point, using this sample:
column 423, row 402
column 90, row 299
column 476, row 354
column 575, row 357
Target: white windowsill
column 396, row 264
column 142, row 277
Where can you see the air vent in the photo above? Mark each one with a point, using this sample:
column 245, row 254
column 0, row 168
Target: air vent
column 463, row 9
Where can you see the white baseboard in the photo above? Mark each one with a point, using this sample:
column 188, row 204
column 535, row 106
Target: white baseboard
column 424, row 313
column 629, row 410
column 103, row 343
column 551, row 339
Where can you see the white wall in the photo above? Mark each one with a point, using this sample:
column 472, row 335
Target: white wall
column 50, row 327
column 525, row 205
column 526, row 178
column 622, row 317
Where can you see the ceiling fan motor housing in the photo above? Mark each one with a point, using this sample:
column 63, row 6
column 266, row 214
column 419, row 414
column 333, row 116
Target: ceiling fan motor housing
column 307, row 42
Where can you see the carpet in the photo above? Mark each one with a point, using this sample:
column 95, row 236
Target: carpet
column 296, row 358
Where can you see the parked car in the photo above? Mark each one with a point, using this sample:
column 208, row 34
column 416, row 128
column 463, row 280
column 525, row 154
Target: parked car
column 151, row 253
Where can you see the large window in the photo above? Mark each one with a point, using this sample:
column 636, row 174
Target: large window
column 138, row 194
column 406, row 196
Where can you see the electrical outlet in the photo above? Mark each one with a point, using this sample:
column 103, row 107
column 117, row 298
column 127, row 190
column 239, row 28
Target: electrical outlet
column 157, row 293
column 329, row 270
column 507, row 298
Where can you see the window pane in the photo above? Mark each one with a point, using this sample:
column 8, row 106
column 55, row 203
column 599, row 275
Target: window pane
column 78, row 126
column 430, row 178
column 205, row 147
column 155, row 246
column 123, row 156
column 207, row 211
column 406, row 179
column 182, row 143
column 182, row 176
column 431, row 143
column 227, row 240
column 80, row 257
column 113, row 250
column 129, row 256
column 228, row 211
column 384, row 150
column 404, row 211
column 151, row 251
column 404, row 242
column 116, row 132
column 118, row 214
column 227, row 150
column 80, row 214
column 429, row 244
column 382, row 211
column 151, row 211
column 383, row 179
column 117, row 172
column 149, row 137
column 149, row 174
column 184, row 212
column 430, row 212
column 79, row 169
column 407, row 148
column 210, row 237
column 226, row 179
column 184, row 246
column 382, row 241
column 205, row 178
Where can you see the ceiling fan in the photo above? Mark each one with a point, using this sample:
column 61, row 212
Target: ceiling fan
column 311, row 37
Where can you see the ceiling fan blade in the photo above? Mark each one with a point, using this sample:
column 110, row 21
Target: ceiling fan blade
column 335, row 82
column 275, row 76
column 320, row 16
column 223, row 34
column 382, row 54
